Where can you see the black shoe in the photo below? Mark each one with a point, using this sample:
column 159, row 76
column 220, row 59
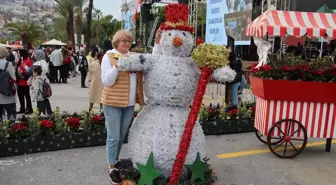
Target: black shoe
column 117, row 164
column 115, row 176
column 84, row 86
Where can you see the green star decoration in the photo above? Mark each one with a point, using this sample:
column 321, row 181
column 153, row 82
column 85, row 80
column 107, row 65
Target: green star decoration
column 198, row 169
column 148, row 174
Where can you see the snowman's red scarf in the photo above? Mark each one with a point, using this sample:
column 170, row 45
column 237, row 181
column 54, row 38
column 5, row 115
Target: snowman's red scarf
column 190, row 123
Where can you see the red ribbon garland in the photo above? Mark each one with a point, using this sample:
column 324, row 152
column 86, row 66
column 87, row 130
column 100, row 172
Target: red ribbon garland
column 136, row 11
column 192, row 117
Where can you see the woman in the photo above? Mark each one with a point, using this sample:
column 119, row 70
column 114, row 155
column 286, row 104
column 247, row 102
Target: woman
column 66, row 65
column 96, row 87
column 74, row 60
column 121, row 91
column 7, row 103
column 22, row 80
column 40, row 61
column 236, row 65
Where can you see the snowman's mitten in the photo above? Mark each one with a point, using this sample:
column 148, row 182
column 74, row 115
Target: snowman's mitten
column 224, row 74
column 135, row 62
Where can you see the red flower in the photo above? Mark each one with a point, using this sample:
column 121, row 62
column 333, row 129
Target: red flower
column 293, row 68
column 199, row 41
column 233, row 111
column 176, row 13
column 253, row 68
column 97, row 118
column 19, row 127
column 73, row 122
column 285, row 68
column 266, row 68
column 319, row 72
column 331, row 70
column 46, row 123
column 305, row 68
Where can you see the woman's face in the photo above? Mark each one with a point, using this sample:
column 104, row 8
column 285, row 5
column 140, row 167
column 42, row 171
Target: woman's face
column 124, row 45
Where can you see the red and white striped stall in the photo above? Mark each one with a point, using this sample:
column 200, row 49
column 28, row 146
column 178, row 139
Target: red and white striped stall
column 289, row 111
column 319, row 119
column 280, row 23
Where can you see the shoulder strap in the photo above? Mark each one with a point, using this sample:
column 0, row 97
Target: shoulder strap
column 6, row 66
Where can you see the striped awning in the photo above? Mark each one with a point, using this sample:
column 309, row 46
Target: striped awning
column 280, row 23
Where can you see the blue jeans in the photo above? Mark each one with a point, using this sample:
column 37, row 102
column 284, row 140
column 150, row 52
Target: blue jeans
column 234, row 93
column 117, row 121
column 243, row 83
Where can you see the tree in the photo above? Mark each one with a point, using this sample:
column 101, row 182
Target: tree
column 78, row 7
column 201, row 19
column 65, row 8
column 106, row 29
column 97, row 14
column 59, row 27
column 32, row 31
column 88, row 26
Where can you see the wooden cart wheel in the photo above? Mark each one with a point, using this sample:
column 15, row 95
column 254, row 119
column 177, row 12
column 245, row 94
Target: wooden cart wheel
column 291, row 144
column 263, row 138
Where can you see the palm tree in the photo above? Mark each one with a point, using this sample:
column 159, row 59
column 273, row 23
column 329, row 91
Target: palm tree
column 65, row 8
column 88, row 28
column 78, row 7
column 97, row 14
column 59, row 27
column 27, row 32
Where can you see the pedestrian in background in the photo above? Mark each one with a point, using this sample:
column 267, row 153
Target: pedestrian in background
column 7, row 99
column 96, row 86
column 83, row 67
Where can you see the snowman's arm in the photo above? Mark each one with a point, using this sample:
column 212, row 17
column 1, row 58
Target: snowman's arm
column 224, row 74
column 156, row 49
column 136, row 62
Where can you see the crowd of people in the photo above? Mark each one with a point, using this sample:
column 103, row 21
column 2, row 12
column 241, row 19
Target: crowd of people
column 30, row 73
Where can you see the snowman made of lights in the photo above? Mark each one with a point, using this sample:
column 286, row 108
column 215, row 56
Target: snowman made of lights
column 170, row 81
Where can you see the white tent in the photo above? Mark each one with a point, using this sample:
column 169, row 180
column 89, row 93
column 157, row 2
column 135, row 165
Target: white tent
column 53, row 42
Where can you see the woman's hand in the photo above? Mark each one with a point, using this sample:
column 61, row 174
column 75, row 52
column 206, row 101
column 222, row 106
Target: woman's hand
column 158, row 36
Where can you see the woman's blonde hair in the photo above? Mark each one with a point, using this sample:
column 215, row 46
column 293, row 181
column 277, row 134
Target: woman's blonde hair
column 3, row 52
column 119, row 35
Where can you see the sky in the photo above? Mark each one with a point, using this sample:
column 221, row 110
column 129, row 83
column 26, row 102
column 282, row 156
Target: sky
column 109, row 7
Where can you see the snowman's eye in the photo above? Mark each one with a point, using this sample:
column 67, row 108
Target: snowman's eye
column 184, row 34
column 169, row 34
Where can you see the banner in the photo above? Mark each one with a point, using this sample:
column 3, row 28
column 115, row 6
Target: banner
column 129, row 21
column 228, row 17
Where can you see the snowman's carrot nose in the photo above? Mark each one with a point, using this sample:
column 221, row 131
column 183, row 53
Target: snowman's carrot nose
column 177, row 42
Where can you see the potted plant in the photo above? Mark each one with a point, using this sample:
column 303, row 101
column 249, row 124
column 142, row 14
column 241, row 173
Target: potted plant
column 292, row 74
column 225, row 120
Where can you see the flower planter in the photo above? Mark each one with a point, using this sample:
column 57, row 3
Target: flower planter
column 218, row 127
column 51, row 143
column 302, row 91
